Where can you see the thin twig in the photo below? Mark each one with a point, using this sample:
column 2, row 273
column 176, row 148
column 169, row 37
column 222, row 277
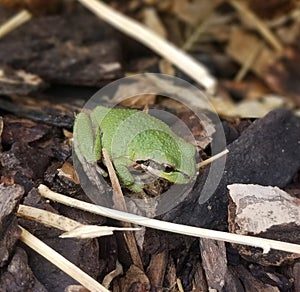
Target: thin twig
column 118, row 197
column 150, row 39
column 265, row 244
column 213, row 158
column 120, row 204
column 72, row 227
column 17, row 20
column 61, row 262
column 266, row 33
column 247, row 64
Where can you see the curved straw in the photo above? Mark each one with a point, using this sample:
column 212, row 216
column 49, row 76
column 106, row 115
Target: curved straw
column 265, row 244
column 153, row 41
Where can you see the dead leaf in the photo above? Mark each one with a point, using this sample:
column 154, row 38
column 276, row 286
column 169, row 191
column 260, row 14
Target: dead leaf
column 192, row 12
column 248, row 108
column 152, row 20
column 242, row 45
column 272, row 8
column 283, row 75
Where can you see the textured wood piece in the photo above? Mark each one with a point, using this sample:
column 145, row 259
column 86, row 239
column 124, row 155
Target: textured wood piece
column 283, row 75
column 24, row 164
column 156, row 270
column 271, row 9
column 170, row 274
column 50, row 110
column 18, row 276
column 250, row 283
column 18, row 82
column 22, row 130
column 35, row 6
column 9, row 230
column 266, row 212
column 134, row 280
column 272, row 276
column 296, row 276
column 258, row 208
column 73, row 48
column 200, row 279
column 232, row 281
column 214, row 262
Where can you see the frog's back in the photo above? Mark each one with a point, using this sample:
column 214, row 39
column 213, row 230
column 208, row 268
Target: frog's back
column 119, row 127
column 109, row 120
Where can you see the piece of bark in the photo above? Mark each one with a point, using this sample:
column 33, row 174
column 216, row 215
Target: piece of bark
column 187, row 256
column 156, row 270
column 37, row 7
column 266, row 153
column 82, row 253
column 271, row 9
column 232, row 281
column 76, row 288
column 283, row 75
column 255, row 209
column 200, row 279
column 50, row 110
column 271, row 276
column 170, row 274
column 24, row 164
column 22, row 130
column 9, row 230
column 18, row 275
column 250, row 283
column 266, row 212
column 213, row 254
column 19, row 82
column 55, row 176
column 46, row 46
column 296, row 276
column 134, row 280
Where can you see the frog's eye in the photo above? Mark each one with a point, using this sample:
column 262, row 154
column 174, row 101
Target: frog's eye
column 168, row 168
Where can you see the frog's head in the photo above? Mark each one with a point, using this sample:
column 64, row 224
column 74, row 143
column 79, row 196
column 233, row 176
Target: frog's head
column 178, row 165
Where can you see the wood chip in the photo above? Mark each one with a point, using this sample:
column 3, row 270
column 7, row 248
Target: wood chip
column 213, row 255
column 259, row 208
column 267, row 212
column 19, row 82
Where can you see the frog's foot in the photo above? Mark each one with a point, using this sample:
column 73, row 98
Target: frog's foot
column 136, row 188
column 126, row 177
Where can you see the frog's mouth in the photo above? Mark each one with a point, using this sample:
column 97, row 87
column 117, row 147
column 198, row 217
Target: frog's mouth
column 157, row 168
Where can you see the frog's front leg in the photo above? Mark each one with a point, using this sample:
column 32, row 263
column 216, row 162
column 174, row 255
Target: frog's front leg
column 126, row 178
column 87, row 141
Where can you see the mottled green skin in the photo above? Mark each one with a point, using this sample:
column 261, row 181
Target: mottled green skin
column 129, row 136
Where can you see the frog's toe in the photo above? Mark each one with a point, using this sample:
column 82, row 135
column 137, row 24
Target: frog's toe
column 136, row 188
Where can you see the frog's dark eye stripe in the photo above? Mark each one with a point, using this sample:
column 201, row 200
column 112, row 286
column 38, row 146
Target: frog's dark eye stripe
column 143, row 162
column 164, row 167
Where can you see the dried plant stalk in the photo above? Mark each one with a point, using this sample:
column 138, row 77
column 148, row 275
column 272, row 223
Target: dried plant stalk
column 265, row 244
column 150, row 39
column 61, row 262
